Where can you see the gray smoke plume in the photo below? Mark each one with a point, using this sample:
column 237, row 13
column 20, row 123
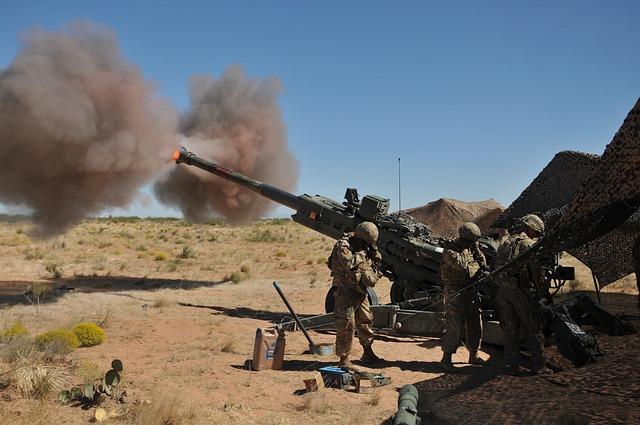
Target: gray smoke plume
column 80, row 129
column 236, row 122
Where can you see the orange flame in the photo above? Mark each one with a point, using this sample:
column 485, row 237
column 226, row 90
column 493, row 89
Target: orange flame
column 176, row 155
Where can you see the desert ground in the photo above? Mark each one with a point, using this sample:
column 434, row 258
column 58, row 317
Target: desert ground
column 180, row 304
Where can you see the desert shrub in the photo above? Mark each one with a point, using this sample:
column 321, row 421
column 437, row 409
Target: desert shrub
column 187, row 252
column 160, row 256
column 54, row 269
column 89, row 334
column 161, row 301
column 321, row 260
column 245, row 268
column 280, row 254
column 33, row 254
column 235, row 277
column 141, row 248
column 16, row 348
column 36, row 379
column 265, row 235
column 17, row 329
column 172, row 265
column 36, row 293
column 57, row 341
column 89, row 371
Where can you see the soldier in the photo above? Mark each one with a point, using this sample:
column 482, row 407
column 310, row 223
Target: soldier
column 518, row 293
column 460, row 263
column 354, row 264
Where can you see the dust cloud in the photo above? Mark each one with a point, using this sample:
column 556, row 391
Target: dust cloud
column 236, row 122
column 80, row 129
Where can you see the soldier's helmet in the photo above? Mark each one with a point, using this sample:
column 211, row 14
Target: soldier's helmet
column 533, row 222
column 469, row 231
column 367, row 231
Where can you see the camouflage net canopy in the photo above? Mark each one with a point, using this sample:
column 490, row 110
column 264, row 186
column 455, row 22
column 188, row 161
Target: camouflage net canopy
column 590, row 203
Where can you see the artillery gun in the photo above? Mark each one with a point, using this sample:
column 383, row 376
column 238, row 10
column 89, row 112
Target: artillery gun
column 410, row 252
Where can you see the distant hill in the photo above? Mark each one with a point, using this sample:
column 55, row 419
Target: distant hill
column 445, row 216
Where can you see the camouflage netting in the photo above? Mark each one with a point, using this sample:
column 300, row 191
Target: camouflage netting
column 605, row 200
column 610, row 255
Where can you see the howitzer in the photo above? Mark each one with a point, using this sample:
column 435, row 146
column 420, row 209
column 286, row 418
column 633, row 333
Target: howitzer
column 410, row 253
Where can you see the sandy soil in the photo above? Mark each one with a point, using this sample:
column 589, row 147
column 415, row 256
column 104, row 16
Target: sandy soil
column 182, row 327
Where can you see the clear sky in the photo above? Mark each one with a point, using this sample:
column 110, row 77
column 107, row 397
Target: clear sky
column 474, row 96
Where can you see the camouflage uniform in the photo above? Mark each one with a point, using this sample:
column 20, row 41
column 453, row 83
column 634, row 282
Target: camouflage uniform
column 353, row 266
column 461, row 308
column 516, row 301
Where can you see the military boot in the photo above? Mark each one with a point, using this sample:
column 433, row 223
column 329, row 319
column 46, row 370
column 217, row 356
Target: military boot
column 475, row 360
column 346, row 364
column 446, row 364
column 369, row 357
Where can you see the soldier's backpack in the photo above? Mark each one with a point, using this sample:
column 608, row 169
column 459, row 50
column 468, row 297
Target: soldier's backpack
column 574, row 343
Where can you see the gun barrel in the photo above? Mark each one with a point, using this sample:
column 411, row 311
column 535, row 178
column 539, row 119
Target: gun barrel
column 407, row 413
column 271, row 192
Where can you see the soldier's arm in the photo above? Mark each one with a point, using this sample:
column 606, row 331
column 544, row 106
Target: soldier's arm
column 454, row 259
column 479, row 256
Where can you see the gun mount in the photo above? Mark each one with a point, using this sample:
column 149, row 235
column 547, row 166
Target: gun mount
column 410, row 253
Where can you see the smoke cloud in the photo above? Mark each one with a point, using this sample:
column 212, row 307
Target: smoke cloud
column 236, row 122
column 80, row 129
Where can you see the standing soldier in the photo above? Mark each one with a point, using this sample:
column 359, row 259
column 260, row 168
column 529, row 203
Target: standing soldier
column 354, row 264
column 518, row 292
column 460, row 263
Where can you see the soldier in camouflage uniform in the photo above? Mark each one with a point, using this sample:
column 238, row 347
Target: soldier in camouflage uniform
column 354, row 264
column 518, row 295
column 461, row 261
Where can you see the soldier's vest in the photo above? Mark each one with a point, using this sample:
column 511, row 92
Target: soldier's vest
column 508, row 250
column 452, row 274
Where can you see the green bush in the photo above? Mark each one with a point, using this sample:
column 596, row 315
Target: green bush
column 16, row 329
column 60, row 341
column 89, row 334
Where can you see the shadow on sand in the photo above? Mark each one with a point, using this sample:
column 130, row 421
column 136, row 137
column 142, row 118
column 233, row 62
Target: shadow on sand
column 13, row 292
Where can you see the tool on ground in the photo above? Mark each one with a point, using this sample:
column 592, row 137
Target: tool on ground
column 319, row 349
column 407, row 413
column 336, row 377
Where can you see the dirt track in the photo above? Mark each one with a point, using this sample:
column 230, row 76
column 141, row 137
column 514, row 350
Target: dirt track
column 197, row 352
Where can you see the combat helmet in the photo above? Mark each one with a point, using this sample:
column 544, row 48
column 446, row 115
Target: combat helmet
column 367, row 231
column 469, row 231
column 533, row 222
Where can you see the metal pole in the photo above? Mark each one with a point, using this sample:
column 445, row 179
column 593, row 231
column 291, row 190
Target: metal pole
column 596, row 283
column 399, row 189
column 293, row 313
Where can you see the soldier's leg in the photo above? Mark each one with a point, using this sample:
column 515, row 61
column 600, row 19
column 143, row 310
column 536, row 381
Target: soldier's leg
column 510, row 326
column 532, row 326
column 472, row 320
column 453, row 316
column 473, row 325
column 363, row 321
column 344, row 315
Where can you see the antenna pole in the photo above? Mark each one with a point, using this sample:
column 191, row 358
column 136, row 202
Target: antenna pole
column 399, row 189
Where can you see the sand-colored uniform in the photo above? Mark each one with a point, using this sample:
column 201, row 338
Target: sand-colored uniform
column 353, row 270
column 461, row 307
column 516, row 301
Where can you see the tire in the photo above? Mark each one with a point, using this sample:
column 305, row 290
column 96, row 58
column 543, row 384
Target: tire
column 330, row 301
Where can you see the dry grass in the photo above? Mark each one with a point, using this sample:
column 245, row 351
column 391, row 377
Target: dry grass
column 164, row 410
column 162, row 301
column 376, row 397
column 316, row 403
column 229, row 344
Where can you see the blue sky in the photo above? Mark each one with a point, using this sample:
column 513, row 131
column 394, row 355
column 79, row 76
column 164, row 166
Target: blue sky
column 474, row 96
